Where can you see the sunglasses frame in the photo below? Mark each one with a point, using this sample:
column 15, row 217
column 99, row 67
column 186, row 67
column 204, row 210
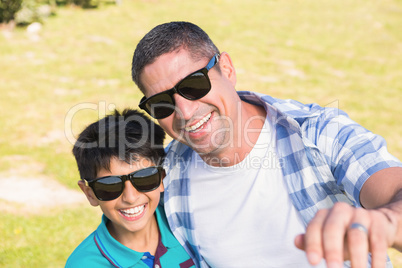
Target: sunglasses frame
column 170, row 92
column 123, row 179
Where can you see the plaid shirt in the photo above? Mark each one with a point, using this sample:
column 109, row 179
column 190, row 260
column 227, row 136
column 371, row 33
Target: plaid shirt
column 324, row 155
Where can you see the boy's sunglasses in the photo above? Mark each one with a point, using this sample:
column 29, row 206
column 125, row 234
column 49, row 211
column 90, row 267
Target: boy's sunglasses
column 193, row 87
column 111, row 187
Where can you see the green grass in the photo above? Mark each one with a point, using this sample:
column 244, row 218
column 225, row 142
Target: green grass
column 343, row 53
column 46, row 240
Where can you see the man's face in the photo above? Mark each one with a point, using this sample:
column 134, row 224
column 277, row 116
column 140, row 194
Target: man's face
column 205, row 124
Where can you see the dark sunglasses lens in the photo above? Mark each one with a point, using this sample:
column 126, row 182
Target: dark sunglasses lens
column 160, row 106
column 147, row 179
column 195, row 86
column 108, row 188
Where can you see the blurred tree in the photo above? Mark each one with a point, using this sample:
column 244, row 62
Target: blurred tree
column 8, row 9
column 81, row 3
column 34, row 11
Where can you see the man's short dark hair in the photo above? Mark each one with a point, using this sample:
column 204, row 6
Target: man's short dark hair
column 169, row 37
column 127, row 136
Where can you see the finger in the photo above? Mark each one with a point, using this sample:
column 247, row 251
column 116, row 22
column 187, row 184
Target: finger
column 299, row 241
column 313, row 237
column 334, row 231
column 378, row 240
column 357, row 238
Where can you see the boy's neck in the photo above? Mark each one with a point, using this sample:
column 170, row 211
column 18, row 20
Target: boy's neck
column 144, row 240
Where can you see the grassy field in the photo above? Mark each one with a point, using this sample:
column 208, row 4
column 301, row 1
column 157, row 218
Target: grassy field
column 346, row 54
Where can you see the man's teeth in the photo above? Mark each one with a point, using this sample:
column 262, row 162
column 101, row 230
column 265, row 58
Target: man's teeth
column 132, row 212
column 200, row 123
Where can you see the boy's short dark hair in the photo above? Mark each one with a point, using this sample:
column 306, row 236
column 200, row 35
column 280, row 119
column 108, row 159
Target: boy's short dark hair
column 128, row 136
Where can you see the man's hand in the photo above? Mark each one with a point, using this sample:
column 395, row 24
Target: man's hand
column 347, row 233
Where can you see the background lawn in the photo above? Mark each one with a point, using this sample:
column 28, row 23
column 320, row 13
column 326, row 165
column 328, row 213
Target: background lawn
column 346, row 54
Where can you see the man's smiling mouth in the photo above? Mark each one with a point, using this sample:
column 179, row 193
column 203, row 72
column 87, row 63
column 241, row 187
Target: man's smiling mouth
column 198, row 126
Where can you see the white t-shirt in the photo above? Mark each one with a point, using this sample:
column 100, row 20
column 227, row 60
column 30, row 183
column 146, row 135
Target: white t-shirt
column 243, row 214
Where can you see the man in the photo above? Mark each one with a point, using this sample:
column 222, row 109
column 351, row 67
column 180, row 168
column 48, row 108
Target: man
column 247, row 173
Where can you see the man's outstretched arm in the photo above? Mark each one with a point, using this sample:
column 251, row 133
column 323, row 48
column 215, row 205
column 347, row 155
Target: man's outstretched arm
column 347, row 233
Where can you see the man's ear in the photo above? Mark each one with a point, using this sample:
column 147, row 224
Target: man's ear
column 88, row 193
column 227, row 68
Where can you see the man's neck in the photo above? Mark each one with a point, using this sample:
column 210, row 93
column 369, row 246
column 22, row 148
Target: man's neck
column 246, row 134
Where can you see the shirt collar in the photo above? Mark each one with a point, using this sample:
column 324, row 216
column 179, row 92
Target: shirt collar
column 114, row 251
column 123, row 256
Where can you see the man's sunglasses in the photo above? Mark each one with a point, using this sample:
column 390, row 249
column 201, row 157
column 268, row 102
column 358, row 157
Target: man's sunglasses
column 111, row 187
column 193, row 87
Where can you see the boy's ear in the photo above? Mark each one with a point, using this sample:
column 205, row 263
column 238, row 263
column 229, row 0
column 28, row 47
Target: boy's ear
column 88, row 193
column 161, row 187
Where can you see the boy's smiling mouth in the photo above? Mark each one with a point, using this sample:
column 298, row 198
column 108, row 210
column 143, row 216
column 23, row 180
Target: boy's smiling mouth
column 133, row 212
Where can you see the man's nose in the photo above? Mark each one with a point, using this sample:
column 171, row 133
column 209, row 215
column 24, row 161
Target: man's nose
column 185, row 108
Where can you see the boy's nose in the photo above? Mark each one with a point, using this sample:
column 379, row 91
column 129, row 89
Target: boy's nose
column 130, row 194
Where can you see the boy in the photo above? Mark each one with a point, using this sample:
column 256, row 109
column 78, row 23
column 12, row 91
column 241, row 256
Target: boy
column 118, row 159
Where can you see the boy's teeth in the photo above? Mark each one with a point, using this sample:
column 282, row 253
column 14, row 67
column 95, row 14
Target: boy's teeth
column 133, row 211
column 200, row 123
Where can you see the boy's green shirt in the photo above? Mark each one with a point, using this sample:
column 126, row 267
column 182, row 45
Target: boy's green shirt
column 100, row 249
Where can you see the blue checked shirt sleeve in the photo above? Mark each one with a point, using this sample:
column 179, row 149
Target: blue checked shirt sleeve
column 352, row 152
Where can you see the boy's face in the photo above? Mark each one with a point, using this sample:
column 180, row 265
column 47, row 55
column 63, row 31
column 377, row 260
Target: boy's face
column 132, row 211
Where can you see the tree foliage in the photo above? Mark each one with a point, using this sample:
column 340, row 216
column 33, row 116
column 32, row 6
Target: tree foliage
column 8, row 9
